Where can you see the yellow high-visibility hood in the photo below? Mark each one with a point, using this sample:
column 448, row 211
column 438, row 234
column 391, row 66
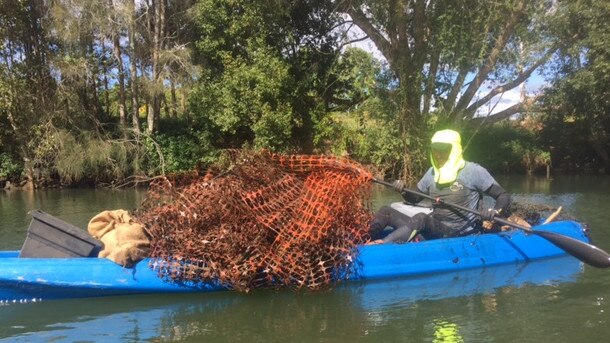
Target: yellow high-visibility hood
column 448, row 172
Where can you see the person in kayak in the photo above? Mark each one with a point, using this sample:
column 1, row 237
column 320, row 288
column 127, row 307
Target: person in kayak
column 453, row 180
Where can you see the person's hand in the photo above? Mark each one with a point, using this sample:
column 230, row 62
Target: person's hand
column 489, row 214
column 398, row 185
column 487, row 225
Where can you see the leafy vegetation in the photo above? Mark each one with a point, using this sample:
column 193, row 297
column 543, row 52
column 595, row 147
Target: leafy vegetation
column 9, row 169
column 507, row 147
column 94, row 92
column 575, row 110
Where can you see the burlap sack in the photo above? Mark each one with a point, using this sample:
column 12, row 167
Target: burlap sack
column 125, row 241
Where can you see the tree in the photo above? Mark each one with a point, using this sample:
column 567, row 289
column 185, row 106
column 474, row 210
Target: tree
column 26, row 87
column 265, row 66
column 360, row 122
column 444, row 53
column 165, row 32
column 118, row 55
column 575, row 110
column 133, row 68
column 155, row 11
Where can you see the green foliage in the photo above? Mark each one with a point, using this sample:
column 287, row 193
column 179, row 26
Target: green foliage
column 275, row 75
column 575, row 111
column 363, row 122
column 9, row 169
column 266, row 76
column 506, row 147
column 240, row 100
column 86, row 158
column 247, row 100
column 90, row 159
column 355, row 77
column 181, row 149
column 531, row 156
column 370, row 141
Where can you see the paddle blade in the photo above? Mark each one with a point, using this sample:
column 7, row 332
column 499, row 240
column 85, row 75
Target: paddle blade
column 588, row 253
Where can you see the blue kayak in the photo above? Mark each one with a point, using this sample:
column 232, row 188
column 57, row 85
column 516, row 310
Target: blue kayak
column 34, row 279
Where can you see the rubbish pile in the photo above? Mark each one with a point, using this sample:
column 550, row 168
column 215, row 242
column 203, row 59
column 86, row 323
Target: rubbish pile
column 268, row 220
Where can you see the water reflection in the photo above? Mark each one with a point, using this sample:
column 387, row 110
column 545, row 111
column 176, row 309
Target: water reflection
column 398, row 292
column 348, row 312
column 568, row 307
column 556, row 184
column 76, row 206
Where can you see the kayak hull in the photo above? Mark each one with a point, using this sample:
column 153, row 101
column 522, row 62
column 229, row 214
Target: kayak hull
column 34, row 279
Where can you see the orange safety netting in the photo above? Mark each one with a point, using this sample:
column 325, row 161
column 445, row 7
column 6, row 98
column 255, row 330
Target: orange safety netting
column 270, row 220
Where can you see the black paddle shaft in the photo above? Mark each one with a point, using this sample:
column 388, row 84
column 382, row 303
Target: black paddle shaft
column 459, row 207
column 583, row 251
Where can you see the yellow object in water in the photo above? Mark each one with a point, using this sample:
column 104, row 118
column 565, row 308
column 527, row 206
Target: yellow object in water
column 447, row 332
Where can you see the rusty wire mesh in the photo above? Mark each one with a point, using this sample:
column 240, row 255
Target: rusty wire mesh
column 269, row 220
column 533, row 214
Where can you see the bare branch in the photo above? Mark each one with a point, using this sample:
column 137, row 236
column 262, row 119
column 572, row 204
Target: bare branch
column 457, row 85
column 496, row 117
column 512, row 84
column 492, row 58
column 431, row 81
column 365, row 25
column 352, row 41
column 504, row 114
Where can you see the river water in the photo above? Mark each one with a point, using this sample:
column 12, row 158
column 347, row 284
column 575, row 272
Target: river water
column 558, row 300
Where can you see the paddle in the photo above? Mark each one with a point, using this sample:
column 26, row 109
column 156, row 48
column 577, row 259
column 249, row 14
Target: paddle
column 585, row 252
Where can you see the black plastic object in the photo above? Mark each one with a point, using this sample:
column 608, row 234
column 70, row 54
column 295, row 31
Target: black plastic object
column 49, row 236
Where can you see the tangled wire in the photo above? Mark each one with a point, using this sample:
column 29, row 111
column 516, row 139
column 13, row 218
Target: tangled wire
column 534, row 213
column 267, row 221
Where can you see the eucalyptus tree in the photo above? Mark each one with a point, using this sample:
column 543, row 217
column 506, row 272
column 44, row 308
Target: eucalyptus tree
column 133, row 67
column 118, row 18
column 27, row 88
column 164, row 33
column 82, row 30
column 452, row 57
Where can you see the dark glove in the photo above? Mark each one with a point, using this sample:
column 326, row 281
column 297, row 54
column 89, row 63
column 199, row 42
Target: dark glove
column 489, row 214
column 398, row 185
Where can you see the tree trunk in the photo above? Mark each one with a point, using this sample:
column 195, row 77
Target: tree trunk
column 106, row 86
column 133, row 69
column 121, row 76
column 95, row 99
column 158, row 12
column 116, row 48
column 174, row 104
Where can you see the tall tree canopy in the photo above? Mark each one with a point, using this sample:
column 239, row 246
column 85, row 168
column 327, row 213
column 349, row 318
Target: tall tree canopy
column 266, row 67
column 451, row 57
column 576, row 108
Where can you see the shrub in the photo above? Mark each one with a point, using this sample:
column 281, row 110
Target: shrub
column 9, row 169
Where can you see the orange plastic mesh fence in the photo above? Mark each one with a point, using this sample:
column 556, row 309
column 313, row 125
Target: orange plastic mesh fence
column 271, row 220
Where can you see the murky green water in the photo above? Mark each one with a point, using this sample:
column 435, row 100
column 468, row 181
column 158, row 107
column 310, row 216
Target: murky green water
column 554, row 301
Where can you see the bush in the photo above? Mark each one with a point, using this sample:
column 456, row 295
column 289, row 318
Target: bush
column 182, row 150
column 9, row 169
column 506, row 147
